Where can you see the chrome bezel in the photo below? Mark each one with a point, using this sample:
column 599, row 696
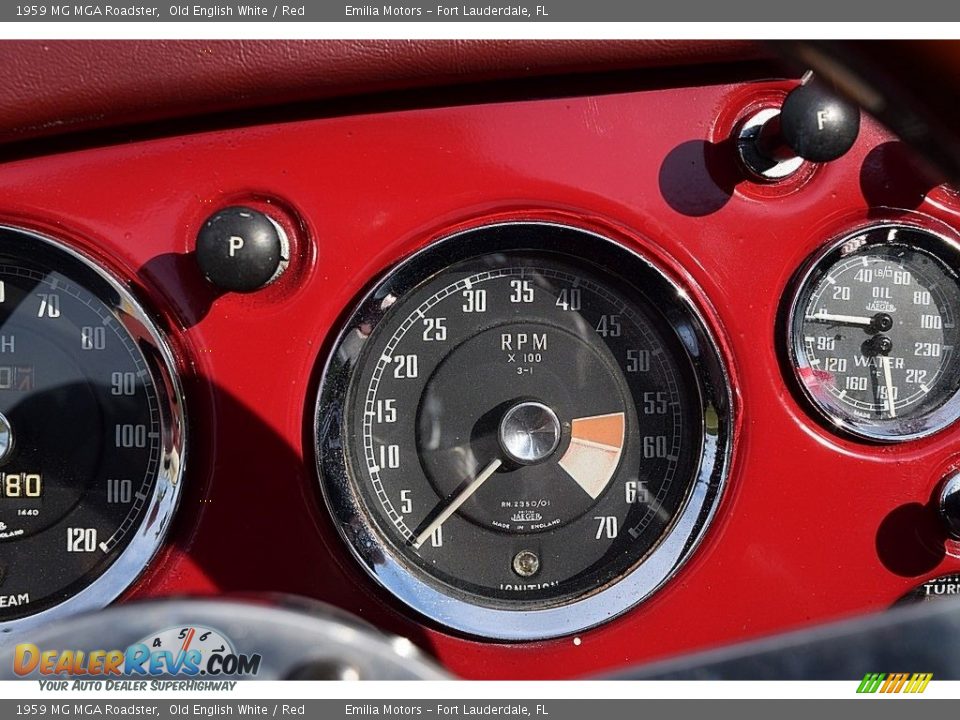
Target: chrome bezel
column 156, row 515
column 377, row 555
column 753, row 161
column 817, row 266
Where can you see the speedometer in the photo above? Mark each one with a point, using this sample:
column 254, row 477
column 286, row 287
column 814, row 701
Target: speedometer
column 91, row 433
column 523, row 430
column 873, row 335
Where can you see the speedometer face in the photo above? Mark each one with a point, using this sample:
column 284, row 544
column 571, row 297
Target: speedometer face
column 874, row 334
column 91, row 433
column 523, row 429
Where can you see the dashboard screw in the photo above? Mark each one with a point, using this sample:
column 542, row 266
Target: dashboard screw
column 526, row 563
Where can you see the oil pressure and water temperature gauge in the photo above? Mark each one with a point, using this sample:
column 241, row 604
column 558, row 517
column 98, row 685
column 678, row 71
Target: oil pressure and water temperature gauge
column 873, row 336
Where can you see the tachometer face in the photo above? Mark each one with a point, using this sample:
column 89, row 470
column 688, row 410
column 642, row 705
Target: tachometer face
column 91, row 433
column 873, row 333
column 522, row 429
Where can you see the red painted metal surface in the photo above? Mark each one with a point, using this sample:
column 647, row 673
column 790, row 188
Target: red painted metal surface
column 813, row 527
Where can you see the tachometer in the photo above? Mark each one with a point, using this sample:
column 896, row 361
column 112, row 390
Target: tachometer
column 91, row 433
column 872, row 333
column 523, row 430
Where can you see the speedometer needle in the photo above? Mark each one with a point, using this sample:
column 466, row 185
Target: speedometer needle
column 842, row 319
column 459, row 500
column 888, row 381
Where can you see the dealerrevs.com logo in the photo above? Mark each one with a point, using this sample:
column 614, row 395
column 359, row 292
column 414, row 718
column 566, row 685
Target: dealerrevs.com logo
column 912, row 683
column 190, row 652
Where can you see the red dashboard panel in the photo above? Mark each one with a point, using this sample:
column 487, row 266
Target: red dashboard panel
column 812, row 527
column 55, row 87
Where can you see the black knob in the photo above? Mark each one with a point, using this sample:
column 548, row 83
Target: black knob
column 241, row 250
column 817, row 124
column 814, row 123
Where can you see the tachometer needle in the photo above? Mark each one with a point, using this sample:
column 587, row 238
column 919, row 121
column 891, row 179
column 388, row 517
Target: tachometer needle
column 841, row 319
column 888, row 381
column 459, row 500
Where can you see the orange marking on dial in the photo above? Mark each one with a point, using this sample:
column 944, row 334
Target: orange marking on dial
column 604, row 429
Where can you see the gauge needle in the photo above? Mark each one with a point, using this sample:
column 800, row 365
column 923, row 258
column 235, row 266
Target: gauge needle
column 842, row 319
column 459, row 500
column 888, row 381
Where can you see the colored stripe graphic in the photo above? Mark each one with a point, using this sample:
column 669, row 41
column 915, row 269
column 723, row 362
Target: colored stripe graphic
column 894, row 683
column 919, row 682
column 871, row 682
